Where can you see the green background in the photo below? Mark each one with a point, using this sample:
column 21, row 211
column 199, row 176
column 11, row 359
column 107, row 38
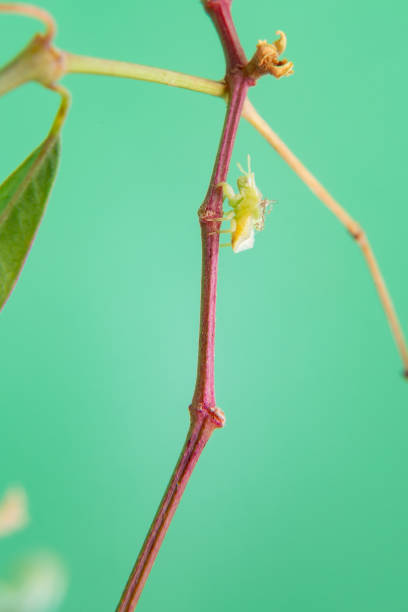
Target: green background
column 300, row 503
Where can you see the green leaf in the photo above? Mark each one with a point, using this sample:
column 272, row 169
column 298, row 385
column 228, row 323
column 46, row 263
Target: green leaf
column 23, row 197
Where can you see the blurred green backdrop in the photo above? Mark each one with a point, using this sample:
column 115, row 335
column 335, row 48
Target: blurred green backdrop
column 300, row 503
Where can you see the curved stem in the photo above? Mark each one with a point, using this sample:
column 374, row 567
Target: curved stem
column 27, row 10
column 63, row 109
column 92, row 65
column 343, row 216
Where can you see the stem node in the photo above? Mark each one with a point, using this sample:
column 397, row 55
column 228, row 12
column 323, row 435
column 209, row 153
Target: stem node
column 40, row 61
column 215, row 414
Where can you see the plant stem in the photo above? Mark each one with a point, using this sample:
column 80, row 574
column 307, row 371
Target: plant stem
column 210, row 214
column 127, row 70
column 27, row 10
column 220, row 13
column 201, row 428
column 38, row 61
column 205, row 416
column 355, row 230
column 211, row 210
column 63, row 109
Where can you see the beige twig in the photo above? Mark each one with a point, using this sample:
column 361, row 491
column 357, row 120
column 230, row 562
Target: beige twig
column 253, row 117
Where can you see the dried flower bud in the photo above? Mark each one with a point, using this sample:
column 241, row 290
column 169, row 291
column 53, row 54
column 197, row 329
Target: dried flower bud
column 266, row 59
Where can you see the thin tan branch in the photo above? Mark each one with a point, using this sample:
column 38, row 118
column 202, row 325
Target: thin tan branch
column 352, row 226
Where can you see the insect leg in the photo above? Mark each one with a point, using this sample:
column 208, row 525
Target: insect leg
column 227, row 191
column 221, row 232
column 226, row 217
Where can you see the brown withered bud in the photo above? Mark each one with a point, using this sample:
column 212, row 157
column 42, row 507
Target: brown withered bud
column 266, row 59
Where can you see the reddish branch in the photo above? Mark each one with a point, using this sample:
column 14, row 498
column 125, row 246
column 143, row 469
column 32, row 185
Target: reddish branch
column 205, row 416
column 211, row 209
column 201, row 428
column 220, row 13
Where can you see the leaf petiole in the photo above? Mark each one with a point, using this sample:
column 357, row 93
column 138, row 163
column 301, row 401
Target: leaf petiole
column 93, row 65
column 62, row 110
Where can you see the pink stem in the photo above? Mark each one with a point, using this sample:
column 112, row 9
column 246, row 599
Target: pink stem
column 201, row 428
column 205, row 417
column 220, row 13
column 211, row 209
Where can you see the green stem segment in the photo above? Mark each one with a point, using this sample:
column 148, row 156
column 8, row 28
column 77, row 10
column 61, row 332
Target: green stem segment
column 92, row 65
column 63, row 109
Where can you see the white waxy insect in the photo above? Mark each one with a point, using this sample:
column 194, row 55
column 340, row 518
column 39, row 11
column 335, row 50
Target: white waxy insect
column 248, row 210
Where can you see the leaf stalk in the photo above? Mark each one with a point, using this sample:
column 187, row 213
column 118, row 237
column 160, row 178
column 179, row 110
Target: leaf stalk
column 92, row 65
